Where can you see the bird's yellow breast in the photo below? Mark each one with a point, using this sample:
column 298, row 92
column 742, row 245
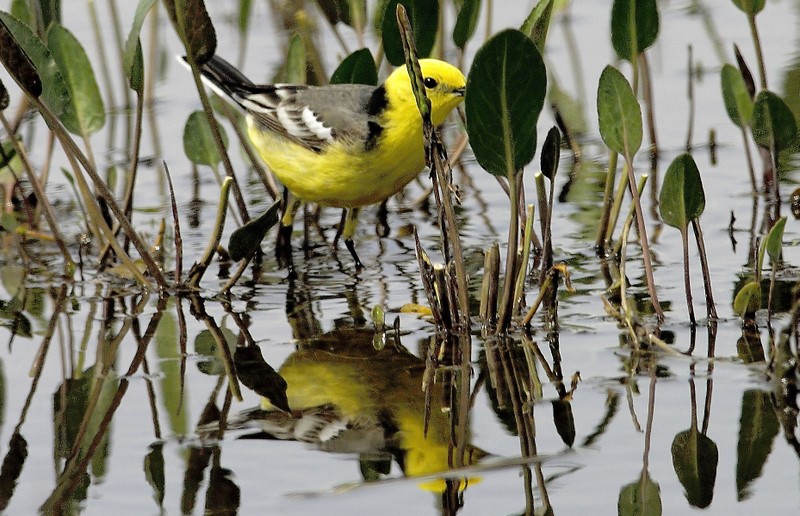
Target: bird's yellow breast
column 344, row 175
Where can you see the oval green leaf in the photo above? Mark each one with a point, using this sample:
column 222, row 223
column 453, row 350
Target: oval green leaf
column 758, row 427
column 424, row 17
column 198, row 141
column 619, row 113
column 774, row 125
column 774, row 240
column 695, row 458
column 750, row 6
column 52, row 87
column 551, row 153
column 505, row 93
column 198, row 34
column 747, row 300
column 738, row 102
column 639, row 498
column 296, row 71
column 357, row 68
column 89, row 112
column 466, row 21
column 246, row 239
column 629, row 17
column 682, row 198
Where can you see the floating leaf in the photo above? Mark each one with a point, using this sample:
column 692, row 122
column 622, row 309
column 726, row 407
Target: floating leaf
column 748, row 299
column 630, row 17
column 246, row 239
column 551, row 153
column 258, row 375
column 640, row 498
column 774, row 125
column 682, row 198
column 198, row 141
column 466, row 21
column 758, row 427
column 695, row 458
column 750, row 6
column 505, row 94
column 537, row 23
column 738, row 102
column 619, row 113
column 424, row 18
column 357, row 68
column 89, row 112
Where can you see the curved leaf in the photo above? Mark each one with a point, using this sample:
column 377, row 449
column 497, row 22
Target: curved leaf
column 466, row 21
column 774, row 240
column 629, row 16
column 774, row 125
column 357, row 68
column 53, row 89
column 537, row 23
column 198, row 34
column 738, row 102
column 132, row 44
column 640, row 498
column 246, row 239
column 198, row 141
column 505, row 93
column 424, row 17
column 90, row 114
column 551, row 153
column 682, row 198
column 748, row 299
column 619, row 114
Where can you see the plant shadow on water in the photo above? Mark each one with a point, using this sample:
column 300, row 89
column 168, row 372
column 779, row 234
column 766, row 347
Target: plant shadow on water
column 453, row 374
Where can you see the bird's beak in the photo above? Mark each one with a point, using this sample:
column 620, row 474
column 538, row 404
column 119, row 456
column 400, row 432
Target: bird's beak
column 459, row 91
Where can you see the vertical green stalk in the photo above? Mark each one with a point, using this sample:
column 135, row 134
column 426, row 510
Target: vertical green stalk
column 605, row 212
column 751, row 20
column 506, row 305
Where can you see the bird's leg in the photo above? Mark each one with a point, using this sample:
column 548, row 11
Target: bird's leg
column 283, row 247
column 350, row 222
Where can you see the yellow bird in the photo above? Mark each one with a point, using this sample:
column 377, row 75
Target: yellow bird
column 344, row 145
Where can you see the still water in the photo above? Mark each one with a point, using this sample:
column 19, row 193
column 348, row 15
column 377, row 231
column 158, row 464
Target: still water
column 571, row 420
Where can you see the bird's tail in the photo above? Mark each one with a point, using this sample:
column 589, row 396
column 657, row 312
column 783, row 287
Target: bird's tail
column 224, row 79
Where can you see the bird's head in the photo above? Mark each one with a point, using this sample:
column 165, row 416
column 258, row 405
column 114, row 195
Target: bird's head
column 444, row 86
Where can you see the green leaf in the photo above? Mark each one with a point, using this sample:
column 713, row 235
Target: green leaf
column 205, row 346
column 682, row 198
column 20, row 11
column 88, row 109
column 257, row 375
column 51, row 87
column 538, row 22
column 171, row 379
column 738, row 102
column 246, row 239
column 750, row 6
column 619, row 114
column 695, row 458
column 136, row 77
column 198, row 34
column 774, row 240
column 133, row 45
column 758, row 426
column 748, row 299
column 640, row 498
column 774, row 125
column 198, row 141
column 295, row 71
column 630, row 17
column 357, row 68
column 424, row 18
column 505, row 93
column 466, row 21
column 551, row 153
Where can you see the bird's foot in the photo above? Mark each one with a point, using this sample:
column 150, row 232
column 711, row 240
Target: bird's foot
column 283, row 248
column 352, row 248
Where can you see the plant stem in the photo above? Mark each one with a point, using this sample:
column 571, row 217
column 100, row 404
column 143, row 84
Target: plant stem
column 687, row 284
column 711, row 307
column 751, row 20
column 504, row 317
column 199, row 268
column 605, row 212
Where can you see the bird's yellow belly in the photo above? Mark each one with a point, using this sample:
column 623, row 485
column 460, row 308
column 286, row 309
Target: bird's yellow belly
column 340, row 177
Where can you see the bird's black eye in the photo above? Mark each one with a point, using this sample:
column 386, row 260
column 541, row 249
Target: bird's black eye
column 429, row 82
